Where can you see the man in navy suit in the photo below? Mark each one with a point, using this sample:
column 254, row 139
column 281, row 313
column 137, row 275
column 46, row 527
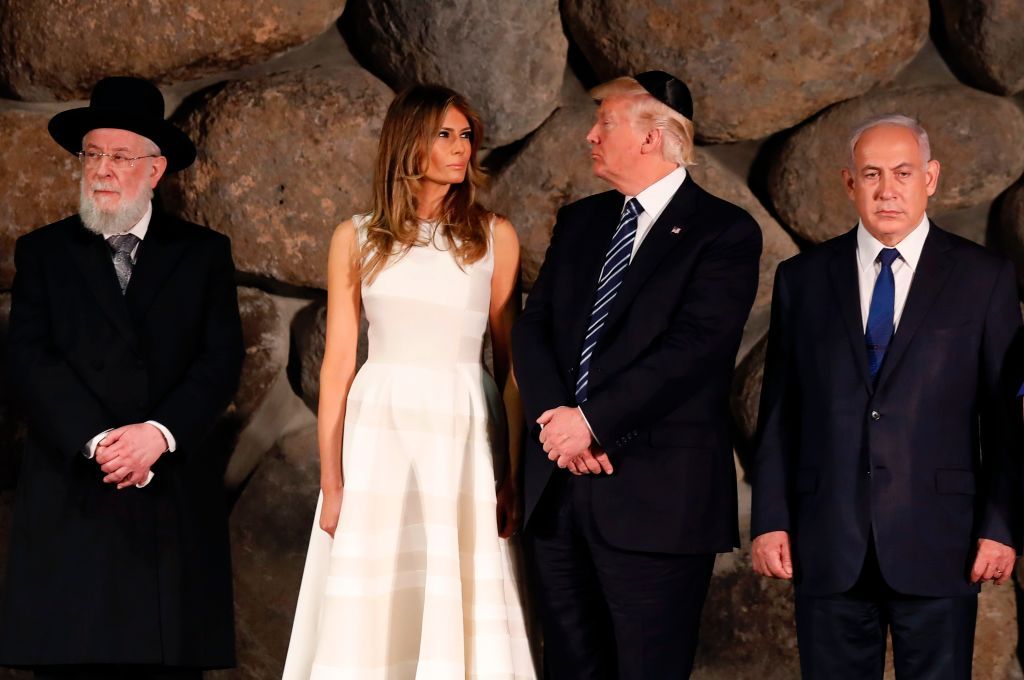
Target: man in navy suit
column 624, row 356
column 887, row 475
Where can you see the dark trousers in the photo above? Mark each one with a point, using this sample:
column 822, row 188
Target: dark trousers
column 843, row 636
column 610, row 613
column 108, row 672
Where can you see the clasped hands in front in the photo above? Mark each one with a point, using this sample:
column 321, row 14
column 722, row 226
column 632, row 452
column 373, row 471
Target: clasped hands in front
column 127, row 453
column 567, row 440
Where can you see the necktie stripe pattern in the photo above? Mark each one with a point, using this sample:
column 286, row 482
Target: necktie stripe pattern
column 616, row 260
column 880, row 326
column 121, row 246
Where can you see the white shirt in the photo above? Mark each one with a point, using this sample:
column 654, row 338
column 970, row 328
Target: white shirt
column 654, row 199
column 89, row 451
column 903, row 268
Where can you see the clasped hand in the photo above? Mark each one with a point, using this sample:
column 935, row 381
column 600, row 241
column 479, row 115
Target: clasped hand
column 127, row 453
column 568, row 442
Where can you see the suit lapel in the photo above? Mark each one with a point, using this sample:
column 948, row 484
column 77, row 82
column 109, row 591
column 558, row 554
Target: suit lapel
column 673, row 225
column 588, row 263
column 845, row 284
column 92, row 257
column 933, row 269
column 156, row 258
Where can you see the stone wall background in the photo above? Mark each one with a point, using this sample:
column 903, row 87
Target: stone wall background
column 285, row 99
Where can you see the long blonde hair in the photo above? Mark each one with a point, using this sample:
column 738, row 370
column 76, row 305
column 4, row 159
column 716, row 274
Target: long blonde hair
column 409, row 130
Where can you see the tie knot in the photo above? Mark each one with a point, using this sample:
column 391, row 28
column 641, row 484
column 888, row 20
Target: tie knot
column 633, row 208
column 887, row 256
column 122, row 243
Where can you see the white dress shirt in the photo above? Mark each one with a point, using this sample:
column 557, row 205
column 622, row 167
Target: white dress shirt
column 654, row 199
column 903, row 268
column 89, row 451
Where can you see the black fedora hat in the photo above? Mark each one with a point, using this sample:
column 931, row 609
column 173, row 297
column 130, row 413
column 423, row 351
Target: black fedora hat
column 668, row 90
column 125, row 103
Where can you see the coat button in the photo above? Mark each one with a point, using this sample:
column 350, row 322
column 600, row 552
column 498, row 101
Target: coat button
column 875, row 415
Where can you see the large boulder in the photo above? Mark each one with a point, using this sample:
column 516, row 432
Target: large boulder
column 265, row 335
column 40, row 181
column 754, row 67
column 282, row 161
column 309, row 338
column 745, row 399
column 58, row 51
column 978, row 138
column 506, row 57
column 984, row 39
column 270, row 525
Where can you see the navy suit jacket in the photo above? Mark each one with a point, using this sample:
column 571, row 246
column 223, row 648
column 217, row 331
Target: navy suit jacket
column 660, row 374
column 928, row 458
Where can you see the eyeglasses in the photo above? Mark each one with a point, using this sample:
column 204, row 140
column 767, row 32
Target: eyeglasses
column 91, row 159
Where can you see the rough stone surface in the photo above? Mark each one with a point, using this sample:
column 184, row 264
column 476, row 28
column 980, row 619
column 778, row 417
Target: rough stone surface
column 553, row 169
column 745, row 398
column 738, row 58
column 309, row 337
column 282, row 161
column 506, row 57
column 57, row 51
column 266, row 350
column 984, row 38
column 978, row 138
column 270, row 527
column 40, row 181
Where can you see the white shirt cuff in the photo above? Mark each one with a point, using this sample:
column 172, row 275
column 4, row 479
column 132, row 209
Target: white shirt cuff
column 580, row 409
column 168, row 437
column 89, row 450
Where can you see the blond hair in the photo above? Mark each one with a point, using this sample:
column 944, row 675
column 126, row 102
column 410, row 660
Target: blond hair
column 410, row 128
column 647, row 112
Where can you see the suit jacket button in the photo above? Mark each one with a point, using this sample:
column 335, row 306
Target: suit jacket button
column 875, row 415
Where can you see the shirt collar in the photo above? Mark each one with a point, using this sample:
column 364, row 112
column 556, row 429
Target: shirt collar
column 910, row 247
column 655, row 197
column 142, row 226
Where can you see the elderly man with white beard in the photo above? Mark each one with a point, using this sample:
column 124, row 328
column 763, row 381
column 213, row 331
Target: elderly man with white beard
column 124, row 349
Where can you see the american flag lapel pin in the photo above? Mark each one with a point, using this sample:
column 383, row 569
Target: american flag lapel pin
column 676, row 230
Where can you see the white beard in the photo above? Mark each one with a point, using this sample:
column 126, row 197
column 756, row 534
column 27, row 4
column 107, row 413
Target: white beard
column 118, row 221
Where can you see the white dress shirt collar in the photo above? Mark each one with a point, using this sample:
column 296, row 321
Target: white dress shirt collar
column 655, row 197
column 868, row 247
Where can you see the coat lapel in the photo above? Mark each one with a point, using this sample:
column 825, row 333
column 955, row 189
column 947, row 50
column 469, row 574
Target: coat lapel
column 155, row 260
column 589, row 261
column 845, row 284
column 933, row 269
column 92, row 257
column 671, row 228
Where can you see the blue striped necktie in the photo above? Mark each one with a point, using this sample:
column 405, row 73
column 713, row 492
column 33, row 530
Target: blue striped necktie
column 880, row 325
column 616, row 261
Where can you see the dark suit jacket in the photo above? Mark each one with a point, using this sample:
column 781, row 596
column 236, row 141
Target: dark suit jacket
column 929, row 458
column 98, row 575
column 660, row 374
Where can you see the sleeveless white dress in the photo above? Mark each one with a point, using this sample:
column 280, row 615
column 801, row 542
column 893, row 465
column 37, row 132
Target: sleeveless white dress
column 416, row 583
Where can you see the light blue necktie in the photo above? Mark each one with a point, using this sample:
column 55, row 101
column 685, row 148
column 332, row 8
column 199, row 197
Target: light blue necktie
column 616, row 261
column 880, row 326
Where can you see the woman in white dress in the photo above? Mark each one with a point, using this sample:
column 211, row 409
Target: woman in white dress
column 408, row 573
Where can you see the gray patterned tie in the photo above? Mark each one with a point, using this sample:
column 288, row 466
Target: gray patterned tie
column 122, row 246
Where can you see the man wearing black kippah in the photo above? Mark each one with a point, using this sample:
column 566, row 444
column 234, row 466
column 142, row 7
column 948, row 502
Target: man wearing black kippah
column 124, row 348
column 624, row 356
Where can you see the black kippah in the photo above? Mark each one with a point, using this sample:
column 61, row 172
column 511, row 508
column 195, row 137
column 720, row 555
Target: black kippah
column 668, row 90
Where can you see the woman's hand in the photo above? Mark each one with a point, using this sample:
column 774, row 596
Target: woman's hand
column 508, row 508
column 330, row 510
